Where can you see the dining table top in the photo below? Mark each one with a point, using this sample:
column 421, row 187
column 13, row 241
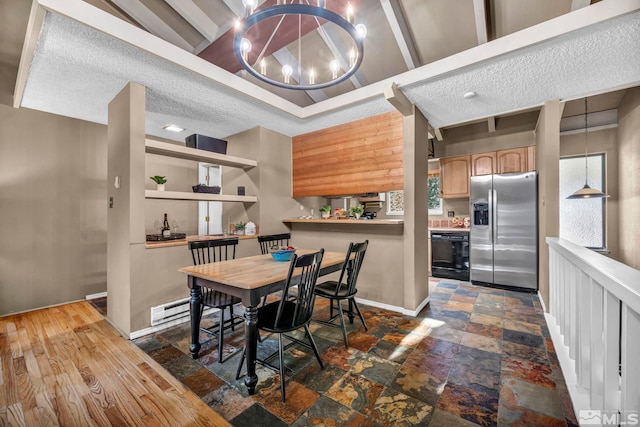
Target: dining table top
column 254, row 271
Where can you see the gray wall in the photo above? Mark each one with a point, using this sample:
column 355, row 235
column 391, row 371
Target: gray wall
column 548, row 166
column 52, row 209
column 629, row 177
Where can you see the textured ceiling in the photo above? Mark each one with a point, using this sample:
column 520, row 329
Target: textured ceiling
column 77, row 70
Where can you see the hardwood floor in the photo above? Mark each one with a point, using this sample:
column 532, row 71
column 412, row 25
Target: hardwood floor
column 66, row 365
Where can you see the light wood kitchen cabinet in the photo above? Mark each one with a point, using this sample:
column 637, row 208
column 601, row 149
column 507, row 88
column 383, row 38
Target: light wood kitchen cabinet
column 483, row 163
column 513, row 160
column 531, row 158
column 454, row 177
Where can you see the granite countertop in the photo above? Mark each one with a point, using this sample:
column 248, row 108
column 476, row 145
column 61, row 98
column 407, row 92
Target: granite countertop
column 183, row 242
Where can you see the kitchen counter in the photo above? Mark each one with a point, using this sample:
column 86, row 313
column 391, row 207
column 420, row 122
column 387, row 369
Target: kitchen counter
column 345, row 221
column 183, row 242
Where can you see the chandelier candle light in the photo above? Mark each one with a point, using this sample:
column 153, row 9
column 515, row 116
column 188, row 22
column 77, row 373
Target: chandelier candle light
column 586, row 192
column 304, row 72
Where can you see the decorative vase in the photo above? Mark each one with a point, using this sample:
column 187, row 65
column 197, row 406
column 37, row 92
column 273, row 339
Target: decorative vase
column 160, row 187
column 357, row 215
column 325, row 215
column 240, row 232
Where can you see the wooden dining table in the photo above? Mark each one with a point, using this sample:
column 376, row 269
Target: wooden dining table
column 250, row 279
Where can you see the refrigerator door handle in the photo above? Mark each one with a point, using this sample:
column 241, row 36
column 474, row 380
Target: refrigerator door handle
column 494, row 215
column 490, row 214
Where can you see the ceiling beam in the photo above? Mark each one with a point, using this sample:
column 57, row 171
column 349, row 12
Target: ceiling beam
column 401, row 33
column 438, row 133
column 481, row 21
column 491, row 123
column 152, row 23
column 34, row 25
column 398, row 100
column 579, row 4
column 338, row 50
column 284, row 56
column 195, row 17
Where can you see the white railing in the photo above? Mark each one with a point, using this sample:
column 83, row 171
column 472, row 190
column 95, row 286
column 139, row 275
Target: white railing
column 594, row 321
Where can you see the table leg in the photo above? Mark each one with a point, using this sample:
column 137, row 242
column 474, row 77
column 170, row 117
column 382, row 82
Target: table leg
column 195, row 312
column 251, row 340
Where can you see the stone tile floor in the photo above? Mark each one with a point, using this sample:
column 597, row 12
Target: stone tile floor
column 474, row 356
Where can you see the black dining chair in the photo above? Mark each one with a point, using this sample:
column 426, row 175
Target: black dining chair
column 287, row 315
column 344, row 289
column 205, row 252
column 266, row 242
column 273, row 239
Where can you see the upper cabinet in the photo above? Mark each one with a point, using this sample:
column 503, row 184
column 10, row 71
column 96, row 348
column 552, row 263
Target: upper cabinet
column 483, row 163
column 504, row 161
column 513, row 160
column 454, row 176
column 531, row 158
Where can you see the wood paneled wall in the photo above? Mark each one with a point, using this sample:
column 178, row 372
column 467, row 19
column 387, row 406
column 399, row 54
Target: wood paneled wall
column 358, row 157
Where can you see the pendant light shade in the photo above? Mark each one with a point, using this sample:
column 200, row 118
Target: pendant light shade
column 586, row 192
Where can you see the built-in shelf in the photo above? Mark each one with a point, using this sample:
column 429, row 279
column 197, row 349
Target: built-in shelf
column 204, row 197
column 182, row 152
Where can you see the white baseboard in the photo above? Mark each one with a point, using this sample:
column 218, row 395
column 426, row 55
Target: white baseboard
column 579, row 398
column 153, row 329
column 395, row 308
column 96, row 296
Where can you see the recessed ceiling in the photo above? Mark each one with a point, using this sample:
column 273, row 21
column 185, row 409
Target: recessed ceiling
column 84, row 56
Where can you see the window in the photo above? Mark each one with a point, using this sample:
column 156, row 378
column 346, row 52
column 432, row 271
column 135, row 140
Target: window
column 434, row 201
column 395, row 203
column 582, row 221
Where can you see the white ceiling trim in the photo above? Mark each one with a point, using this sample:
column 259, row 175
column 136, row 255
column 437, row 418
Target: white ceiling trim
column 196, row 17
column 151, row 22
column 400, row 31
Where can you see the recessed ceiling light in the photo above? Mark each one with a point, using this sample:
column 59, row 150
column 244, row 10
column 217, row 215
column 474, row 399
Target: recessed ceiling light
column 173, row 128
column 470, row 95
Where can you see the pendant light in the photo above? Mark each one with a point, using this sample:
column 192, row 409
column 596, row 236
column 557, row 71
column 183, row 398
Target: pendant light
column 586, row 192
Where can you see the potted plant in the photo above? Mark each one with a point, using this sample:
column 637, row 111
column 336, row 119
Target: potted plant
column 356, row 211
column 160, row 181
column 240, row 228
column 325, row 211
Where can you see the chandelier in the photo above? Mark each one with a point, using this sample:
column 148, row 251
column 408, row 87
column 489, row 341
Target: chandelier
column 270, row 29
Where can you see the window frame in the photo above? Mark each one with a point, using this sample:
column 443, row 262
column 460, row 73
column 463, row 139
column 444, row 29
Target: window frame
column 603, row 178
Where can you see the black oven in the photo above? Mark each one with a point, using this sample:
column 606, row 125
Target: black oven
column 450, row 254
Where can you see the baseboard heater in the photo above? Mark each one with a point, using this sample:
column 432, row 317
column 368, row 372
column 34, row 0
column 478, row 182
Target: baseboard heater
column 175, row 312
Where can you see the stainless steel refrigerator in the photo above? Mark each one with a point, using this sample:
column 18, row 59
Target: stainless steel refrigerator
column 503, row 240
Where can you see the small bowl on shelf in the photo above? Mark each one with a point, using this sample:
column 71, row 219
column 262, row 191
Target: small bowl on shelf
column 282, row 255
